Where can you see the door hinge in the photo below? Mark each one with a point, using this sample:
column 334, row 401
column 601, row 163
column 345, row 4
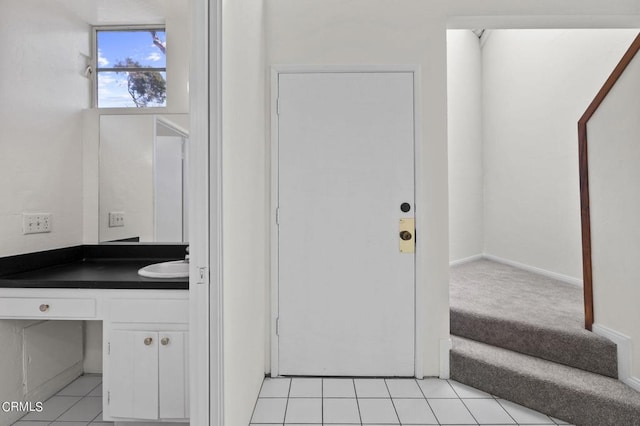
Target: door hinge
column 278, row 106
column 109, row 348
column 108, row 397
column 277, row 215
column 278, row 326
column 202, row 275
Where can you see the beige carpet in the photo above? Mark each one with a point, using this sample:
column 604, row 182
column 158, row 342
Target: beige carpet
column 526, row 312
column 520, row 336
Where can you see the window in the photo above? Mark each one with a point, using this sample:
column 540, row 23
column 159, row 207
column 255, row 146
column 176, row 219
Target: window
column 131, row 67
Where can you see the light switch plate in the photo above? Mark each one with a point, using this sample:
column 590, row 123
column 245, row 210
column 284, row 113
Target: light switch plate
column 36, row 223
column 116, row 219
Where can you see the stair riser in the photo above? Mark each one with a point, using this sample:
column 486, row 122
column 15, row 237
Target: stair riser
column 579, row 408
column 589, row 352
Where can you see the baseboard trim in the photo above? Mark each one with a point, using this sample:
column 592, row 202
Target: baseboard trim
column 157, row 423
column 625, row 353
column 445, row 348
column 560, row 277
column 633, row 382
column 466, row 260
column 50, row 387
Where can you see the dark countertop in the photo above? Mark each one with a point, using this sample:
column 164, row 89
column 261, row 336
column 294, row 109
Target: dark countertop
column 109, row 266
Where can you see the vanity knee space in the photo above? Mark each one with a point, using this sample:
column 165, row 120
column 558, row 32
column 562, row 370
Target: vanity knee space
column 145, row 341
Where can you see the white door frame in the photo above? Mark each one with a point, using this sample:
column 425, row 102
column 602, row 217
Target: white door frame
column 205, row 218
column 276, row 70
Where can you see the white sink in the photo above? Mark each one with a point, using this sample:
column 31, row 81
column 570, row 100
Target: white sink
column 173, row 269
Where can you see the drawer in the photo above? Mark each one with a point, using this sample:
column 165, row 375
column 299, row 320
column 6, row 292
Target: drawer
column 47, row 307
column 150, row 311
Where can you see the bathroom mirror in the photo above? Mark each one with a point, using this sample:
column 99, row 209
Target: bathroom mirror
column 143, row 191
column 51, row 129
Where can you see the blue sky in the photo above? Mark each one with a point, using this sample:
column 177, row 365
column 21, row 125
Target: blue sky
column 114, row 46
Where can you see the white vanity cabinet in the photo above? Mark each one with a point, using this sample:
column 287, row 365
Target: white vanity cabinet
column 145, row 344
column 145, row 363
column 148, row 378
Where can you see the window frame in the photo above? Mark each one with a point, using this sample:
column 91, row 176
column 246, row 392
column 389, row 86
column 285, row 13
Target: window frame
column 97, row 69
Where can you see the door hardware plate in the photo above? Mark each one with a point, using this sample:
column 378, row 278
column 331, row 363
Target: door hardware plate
column 409, row 245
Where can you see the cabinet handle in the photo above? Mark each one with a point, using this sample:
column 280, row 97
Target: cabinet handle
column 44, row 307
column 164, row 341
column 148, row 341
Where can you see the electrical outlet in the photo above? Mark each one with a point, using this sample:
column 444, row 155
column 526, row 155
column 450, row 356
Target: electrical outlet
column 36, row 223
column 116, row 219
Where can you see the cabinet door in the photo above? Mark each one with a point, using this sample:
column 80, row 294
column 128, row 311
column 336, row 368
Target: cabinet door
column 173, row 375
column 133, row 374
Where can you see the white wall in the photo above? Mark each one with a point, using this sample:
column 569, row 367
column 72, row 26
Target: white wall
column 244, row 207
column 348, row 32
column 413, row 32
column 373, row 32
column 52, row 357
column 46, row 371
column 92, row 341
column 43, row 93
column 178, row 40
column 126, row 169
column 168, row 188
column 11, row 367
column 126, row 175
column 537, row 84
column 466, row 183
column 614, row 176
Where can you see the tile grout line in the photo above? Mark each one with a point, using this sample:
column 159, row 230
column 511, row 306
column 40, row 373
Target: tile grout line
column 391, row 398
column 257, row 399
column 514, row 419
column 73, row 405
column 461, row 400
column 286, row 406
column 98, row 415
column 505, row 410
column 322, row 401
column 49, row 422
column 102, row 408
column 465, row 406
column 428, row 404
column 355, row 392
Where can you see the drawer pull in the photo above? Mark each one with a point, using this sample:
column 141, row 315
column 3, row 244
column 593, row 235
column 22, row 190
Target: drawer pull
column 44, row 307
column 148, row 341
column 164, row 341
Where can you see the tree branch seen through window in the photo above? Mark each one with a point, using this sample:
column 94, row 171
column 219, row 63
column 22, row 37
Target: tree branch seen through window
column 130, row 67
column 145, row 86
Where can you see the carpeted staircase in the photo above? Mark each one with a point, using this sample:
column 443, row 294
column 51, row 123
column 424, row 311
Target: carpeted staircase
column 520, row 336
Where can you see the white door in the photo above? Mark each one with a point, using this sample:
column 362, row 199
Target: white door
column 345, row 168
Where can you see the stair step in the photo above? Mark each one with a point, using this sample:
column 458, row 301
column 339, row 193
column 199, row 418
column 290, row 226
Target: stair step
column 577, row 348
column 571, row 394
column 529, row 313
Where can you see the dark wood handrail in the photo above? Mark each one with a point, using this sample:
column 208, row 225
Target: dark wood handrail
column 584, row 178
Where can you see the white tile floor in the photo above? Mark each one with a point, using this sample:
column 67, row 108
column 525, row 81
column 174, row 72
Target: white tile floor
column 341, row 402
column 78, row 404
column 316, row 401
